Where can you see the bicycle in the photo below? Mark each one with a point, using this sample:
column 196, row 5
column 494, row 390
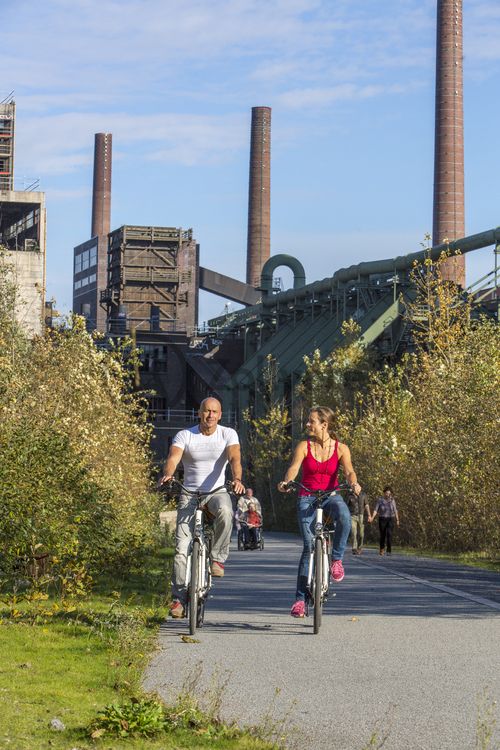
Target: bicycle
column 198, row 573
column 318, row 575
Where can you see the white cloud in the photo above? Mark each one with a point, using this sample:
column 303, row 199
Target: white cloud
column 481, row 32
column 60, row 144
column 93, row 48
column 323, row 97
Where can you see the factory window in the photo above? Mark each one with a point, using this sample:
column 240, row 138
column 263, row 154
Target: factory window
column 85, row 281
column 153, row 358
column 93, row 256
column 78, row 263
column 92, row 278
column 85, row 260
column 78, row 284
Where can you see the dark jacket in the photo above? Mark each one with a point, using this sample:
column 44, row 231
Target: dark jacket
column 357, row 503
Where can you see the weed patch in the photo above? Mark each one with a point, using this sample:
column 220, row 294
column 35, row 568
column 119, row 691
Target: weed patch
column 72, row 667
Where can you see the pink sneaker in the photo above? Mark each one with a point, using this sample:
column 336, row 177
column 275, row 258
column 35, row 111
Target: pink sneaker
column 337, row 570
column 298, row 609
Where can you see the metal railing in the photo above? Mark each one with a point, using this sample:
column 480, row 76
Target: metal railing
column 124, row 325
column 188, row 416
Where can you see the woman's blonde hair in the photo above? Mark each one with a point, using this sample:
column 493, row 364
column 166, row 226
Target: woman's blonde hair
column 325, row 414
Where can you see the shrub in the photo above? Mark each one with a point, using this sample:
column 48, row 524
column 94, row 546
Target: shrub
column 74, row 458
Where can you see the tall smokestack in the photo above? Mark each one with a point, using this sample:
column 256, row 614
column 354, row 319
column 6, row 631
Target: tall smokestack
column 259, row 195
column 101, row 196
column 448, row 220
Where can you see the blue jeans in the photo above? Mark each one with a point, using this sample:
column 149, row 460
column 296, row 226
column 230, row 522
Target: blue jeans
column 334, row 509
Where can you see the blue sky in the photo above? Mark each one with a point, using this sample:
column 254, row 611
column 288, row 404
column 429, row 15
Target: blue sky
column 351, row 86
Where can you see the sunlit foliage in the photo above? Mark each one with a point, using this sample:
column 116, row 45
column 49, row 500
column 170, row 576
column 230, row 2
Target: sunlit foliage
column 430, row 425
column 268, row 448
column 74, row 461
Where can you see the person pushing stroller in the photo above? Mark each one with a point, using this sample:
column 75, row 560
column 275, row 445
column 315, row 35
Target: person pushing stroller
column 251, row 524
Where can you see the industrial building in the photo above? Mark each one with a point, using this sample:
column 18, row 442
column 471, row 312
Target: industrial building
column 151, row 280
column 144, row 282
column 22, row 230
column 153, row 277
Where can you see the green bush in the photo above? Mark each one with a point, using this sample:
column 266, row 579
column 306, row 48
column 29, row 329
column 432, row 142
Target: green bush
column 75, row 466
column 427, row 426
column 52, row 514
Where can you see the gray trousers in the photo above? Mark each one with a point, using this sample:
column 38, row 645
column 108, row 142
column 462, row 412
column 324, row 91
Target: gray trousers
column 357, row 527
column 221, row 513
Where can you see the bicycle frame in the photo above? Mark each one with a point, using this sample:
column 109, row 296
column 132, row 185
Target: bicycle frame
column 198, row 574
column 318, row 575
column 203, row 535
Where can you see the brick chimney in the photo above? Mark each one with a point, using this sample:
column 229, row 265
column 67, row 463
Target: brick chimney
column 259, row 195
column 448, row 219
column 101, row 195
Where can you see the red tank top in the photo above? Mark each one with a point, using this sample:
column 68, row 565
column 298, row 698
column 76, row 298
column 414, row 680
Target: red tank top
column 320, row 475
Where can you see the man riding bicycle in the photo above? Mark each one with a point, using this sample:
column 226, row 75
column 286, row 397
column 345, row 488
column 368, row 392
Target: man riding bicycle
column 204, row 450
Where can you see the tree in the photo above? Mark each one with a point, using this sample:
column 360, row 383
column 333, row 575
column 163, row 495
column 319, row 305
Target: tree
column 337, row 380
column 74, row 457
column 429, row 426
column 268, row 445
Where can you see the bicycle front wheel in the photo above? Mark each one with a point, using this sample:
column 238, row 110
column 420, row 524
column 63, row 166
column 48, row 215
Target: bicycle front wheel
column 194, row 587
column 318, row 584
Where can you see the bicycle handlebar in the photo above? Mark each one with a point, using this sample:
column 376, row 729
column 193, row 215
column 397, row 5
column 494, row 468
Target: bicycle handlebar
column 197, row 493
column 292, row 484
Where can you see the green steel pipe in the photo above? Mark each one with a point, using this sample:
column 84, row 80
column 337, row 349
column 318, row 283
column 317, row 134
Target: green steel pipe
column 387, row 265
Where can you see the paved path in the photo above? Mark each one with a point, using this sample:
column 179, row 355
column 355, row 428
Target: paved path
column 407, row 648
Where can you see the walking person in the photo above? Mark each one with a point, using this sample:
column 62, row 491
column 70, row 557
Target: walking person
column 387, row 512
column 205, row 451
column 320, row 457
column 358, row 504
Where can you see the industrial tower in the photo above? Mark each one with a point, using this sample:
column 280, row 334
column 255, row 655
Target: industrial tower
column 448, row 219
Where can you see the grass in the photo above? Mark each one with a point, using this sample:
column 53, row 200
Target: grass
column 70, row 663
column 482, row 560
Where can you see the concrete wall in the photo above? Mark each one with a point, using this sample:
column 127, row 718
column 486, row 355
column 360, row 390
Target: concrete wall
column 22, row 220
column 29, row 274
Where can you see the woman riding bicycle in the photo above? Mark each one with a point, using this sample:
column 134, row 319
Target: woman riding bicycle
column 320, row 457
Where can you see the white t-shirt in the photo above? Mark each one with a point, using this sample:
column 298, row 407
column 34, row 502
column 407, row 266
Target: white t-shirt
column 205, row 456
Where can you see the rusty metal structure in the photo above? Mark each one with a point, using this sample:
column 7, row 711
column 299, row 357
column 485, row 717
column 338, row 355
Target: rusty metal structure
column 288, row 325
column 7, row 128
column 151, row 295
column 448, row 218
column 259, row 195
column 152, row 280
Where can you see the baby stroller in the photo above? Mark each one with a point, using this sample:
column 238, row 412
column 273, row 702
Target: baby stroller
column 250, row 529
